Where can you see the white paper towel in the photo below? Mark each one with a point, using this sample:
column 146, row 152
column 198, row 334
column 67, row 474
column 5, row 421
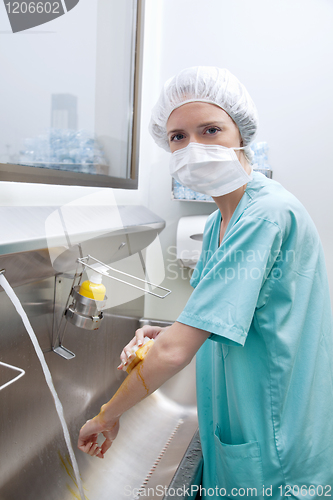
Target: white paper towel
column 189, row 239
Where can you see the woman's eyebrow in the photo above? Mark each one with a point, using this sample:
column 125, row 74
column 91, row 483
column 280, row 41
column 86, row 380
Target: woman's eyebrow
column 202, row 125
column 175, row 130
column 215, row 122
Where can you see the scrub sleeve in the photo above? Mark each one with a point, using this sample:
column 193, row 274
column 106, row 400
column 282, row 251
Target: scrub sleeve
column 232, row 280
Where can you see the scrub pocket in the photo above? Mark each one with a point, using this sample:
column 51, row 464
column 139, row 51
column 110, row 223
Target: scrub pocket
column 239, row 468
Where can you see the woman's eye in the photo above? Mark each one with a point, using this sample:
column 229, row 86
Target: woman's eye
column 177, row 137
column 212, row 130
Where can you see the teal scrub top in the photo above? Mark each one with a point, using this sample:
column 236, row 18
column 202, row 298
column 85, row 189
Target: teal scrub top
column 265, row 374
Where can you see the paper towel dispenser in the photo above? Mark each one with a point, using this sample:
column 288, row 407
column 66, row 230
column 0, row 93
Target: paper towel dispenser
column 189, row 239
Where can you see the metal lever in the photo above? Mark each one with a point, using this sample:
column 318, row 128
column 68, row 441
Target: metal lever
column 84, row 261
column 22, row 372
column 57, row 346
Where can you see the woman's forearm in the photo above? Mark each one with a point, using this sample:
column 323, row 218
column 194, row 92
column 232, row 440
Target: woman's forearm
column 171, row 352
column 143, row 380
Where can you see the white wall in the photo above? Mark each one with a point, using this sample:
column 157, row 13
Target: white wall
column 282, row 52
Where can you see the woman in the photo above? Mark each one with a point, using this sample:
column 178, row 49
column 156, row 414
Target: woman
column 259, row 317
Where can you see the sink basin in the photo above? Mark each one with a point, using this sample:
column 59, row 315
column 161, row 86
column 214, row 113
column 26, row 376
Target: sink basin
column 151, row 443
column 153, row 436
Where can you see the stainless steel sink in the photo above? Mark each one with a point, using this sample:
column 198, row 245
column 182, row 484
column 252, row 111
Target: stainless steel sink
column 154, row 435
column 152, row 440
column 35, row 465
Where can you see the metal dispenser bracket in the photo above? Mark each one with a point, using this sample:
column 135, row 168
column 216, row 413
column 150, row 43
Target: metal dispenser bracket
column 84, row 262
column 87, row 313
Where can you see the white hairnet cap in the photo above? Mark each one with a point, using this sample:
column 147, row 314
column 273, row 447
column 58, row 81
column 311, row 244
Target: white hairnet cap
column 205, row 84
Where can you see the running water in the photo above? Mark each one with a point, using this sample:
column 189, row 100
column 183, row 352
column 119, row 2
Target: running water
column 11, row 294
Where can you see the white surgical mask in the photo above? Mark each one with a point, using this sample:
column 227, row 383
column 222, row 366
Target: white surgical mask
column 208, row 168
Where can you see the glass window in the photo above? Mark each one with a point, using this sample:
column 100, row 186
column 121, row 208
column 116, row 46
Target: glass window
column 67, row 91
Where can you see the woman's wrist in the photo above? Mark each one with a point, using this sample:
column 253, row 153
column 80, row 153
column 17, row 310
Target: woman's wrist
column 105, row 420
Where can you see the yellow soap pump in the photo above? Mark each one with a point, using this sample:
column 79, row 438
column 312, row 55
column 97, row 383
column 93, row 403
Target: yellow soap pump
column 93, row 288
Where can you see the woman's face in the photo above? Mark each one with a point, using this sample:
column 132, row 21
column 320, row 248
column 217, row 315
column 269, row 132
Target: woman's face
column 204, row 123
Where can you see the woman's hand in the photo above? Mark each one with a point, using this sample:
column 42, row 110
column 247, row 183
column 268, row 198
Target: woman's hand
column 88, row 436
column 146, row 331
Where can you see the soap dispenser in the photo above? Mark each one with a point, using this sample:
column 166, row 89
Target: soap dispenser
column 89, row 300
column 93, row 288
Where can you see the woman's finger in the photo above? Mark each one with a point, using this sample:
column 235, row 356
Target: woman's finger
column 125, row 358
column 106, row 445
column 127, row 349
column 139, row 335
column 147, row 331
column 93, row 448
column 85, row 447
column 88, row 447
